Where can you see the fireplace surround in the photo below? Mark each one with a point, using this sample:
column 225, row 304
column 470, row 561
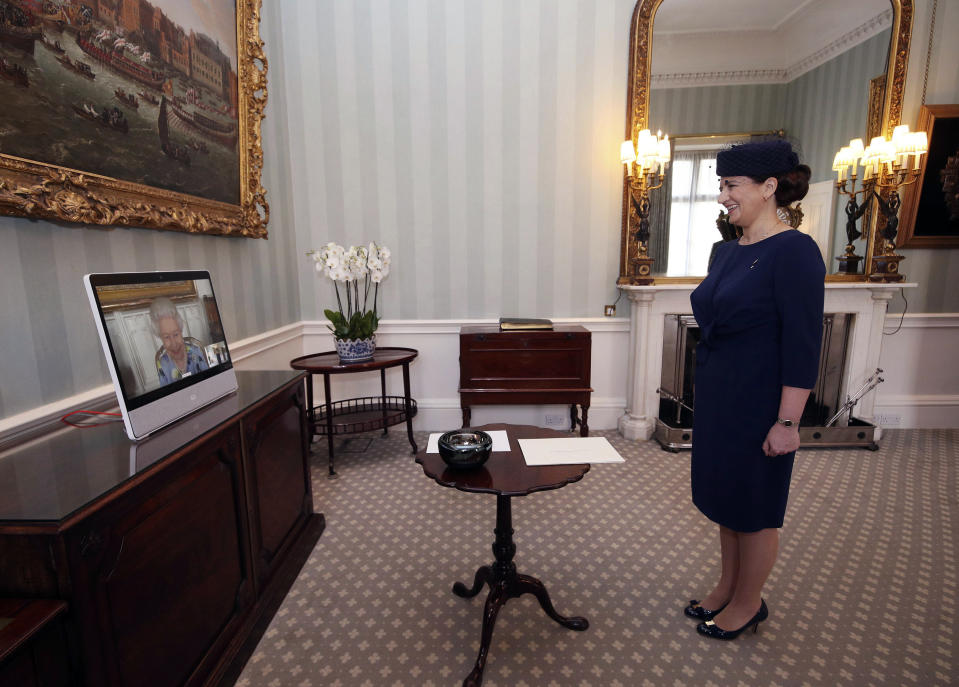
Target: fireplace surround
column 652, row 307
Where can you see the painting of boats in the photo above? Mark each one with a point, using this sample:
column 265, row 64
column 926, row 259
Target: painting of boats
column 112, row 118
column 143, row 91
column 170, row 149
column 220, row 132
column 14, row 72
column 81, row 68
column 148, row 97
column 126, row 98
column 116, row 59
column 54, row 46
column 19, row 28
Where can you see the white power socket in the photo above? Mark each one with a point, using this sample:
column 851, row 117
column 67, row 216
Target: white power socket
column 555, row 419
column 888, row 419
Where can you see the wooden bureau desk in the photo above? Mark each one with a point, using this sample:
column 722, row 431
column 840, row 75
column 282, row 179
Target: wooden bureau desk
column 520, row 367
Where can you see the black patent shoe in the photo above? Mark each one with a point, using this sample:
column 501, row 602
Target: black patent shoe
column 712, row 630
column 697, row 612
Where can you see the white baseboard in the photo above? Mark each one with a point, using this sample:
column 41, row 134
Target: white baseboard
column 920, row 391
column 917, row 411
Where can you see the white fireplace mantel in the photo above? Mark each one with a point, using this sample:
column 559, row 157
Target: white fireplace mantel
column 649, row 306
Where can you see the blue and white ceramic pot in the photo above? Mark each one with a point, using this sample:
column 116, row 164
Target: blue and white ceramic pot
column 355, row 350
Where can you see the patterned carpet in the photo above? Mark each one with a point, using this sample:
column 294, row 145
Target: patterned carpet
column 864, row 592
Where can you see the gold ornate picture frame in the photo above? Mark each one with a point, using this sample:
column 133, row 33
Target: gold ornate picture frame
column 219, row 101
column 930, row 207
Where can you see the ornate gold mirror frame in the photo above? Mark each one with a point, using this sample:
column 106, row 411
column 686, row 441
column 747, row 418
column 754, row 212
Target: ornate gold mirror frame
column 29, row 188
column 637, row 115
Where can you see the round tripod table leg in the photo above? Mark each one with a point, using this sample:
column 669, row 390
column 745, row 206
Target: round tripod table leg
column 497, row 598
column 530, row 585
column 483, row 575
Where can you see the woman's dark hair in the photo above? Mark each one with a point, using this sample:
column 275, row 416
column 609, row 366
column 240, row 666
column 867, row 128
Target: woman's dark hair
column 790, row 186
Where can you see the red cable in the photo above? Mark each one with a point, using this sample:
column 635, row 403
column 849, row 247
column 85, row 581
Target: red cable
column 65, row 421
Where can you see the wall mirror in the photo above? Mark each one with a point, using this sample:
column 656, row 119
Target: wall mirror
column 818, row 72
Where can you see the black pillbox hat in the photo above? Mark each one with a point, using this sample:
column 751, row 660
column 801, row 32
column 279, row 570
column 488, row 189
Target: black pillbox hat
column 760, row 159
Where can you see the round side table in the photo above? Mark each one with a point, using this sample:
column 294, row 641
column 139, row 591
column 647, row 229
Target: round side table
column 362, row 414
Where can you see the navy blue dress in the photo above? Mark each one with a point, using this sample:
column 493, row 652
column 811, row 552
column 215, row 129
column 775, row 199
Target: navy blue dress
column 760, row 313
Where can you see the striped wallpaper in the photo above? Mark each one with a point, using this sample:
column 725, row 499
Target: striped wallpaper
column 50, row 349
column 823, row 124
column 479, row 140
column 718, row 109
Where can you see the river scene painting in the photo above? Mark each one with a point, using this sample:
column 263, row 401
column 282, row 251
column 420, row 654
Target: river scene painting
column 139, row 90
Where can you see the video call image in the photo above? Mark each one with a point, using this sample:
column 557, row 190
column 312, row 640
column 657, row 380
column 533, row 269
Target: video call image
column 162, row 332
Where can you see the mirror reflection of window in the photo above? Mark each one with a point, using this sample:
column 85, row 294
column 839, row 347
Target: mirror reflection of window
column 693, row 210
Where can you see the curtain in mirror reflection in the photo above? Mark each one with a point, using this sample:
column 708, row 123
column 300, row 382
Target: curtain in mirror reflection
column 693, row 211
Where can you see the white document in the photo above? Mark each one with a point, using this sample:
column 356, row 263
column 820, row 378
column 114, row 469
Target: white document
column 563, row 451
column 500, row 441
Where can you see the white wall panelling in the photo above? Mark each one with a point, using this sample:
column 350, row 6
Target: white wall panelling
column 650, row 305
column 434, row 375
column 920, row 393
column 921, row 372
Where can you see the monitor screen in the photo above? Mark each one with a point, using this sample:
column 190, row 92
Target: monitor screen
column 163, row 339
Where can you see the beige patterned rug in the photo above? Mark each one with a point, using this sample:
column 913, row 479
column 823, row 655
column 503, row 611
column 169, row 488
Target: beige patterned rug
column 864, row 592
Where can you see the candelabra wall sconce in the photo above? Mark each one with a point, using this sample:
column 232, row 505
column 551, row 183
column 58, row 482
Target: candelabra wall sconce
column 646, row 160
column 886, row 169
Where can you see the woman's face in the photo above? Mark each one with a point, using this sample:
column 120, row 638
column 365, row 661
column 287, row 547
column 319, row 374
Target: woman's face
column 171, row 336
column 743, row 198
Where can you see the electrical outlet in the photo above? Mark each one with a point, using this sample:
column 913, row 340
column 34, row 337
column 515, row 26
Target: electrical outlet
column 554, row 419
column 888, row 419
column 609, row 311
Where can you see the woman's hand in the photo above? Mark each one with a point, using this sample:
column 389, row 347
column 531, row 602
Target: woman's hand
column 781, row 440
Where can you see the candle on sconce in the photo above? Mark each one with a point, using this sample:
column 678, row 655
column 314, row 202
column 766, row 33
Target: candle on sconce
column 627, row 155
column 920, row 146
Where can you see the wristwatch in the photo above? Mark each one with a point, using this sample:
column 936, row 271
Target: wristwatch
column 785, row 423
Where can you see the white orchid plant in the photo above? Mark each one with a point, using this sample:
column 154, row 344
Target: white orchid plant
column 360, row 269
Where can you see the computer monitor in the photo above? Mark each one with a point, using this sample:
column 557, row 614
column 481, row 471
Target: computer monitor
column 163, row 340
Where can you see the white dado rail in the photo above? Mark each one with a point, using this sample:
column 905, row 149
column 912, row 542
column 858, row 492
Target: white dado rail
column 649, row 306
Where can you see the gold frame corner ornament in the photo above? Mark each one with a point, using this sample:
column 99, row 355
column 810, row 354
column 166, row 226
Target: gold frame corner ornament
column 637, row 103
column 45, row 191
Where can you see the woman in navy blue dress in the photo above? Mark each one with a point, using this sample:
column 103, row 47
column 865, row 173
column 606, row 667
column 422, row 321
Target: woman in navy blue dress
column 760, row 313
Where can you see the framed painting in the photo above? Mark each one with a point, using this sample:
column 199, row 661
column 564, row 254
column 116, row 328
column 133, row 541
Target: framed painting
column 137, row 295
column 141, row 113
column 930, row 207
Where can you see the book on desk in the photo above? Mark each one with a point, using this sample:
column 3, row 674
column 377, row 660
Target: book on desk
column 523, row 323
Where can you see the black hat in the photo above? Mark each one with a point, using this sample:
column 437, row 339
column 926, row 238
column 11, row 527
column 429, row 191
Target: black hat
column 761, row 159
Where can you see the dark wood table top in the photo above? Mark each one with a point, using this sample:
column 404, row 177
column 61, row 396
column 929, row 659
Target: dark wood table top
column 329, row 362
column 505, row 473
column 50, row 478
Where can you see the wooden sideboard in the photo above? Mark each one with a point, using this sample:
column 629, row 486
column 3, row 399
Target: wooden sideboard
column 526, row 367
column 171, row 554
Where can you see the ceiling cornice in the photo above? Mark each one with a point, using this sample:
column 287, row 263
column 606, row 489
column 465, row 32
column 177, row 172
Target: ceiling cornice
column 845, row 42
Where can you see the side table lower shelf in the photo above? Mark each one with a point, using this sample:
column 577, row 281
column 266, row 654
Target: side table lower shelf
column 365, row 414
column 361, row 414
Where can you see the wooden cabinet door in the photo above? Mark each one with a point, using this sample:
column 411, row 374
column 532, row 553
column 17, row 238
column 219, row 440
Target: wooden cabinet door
column 276, row 446
column 161, row 574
